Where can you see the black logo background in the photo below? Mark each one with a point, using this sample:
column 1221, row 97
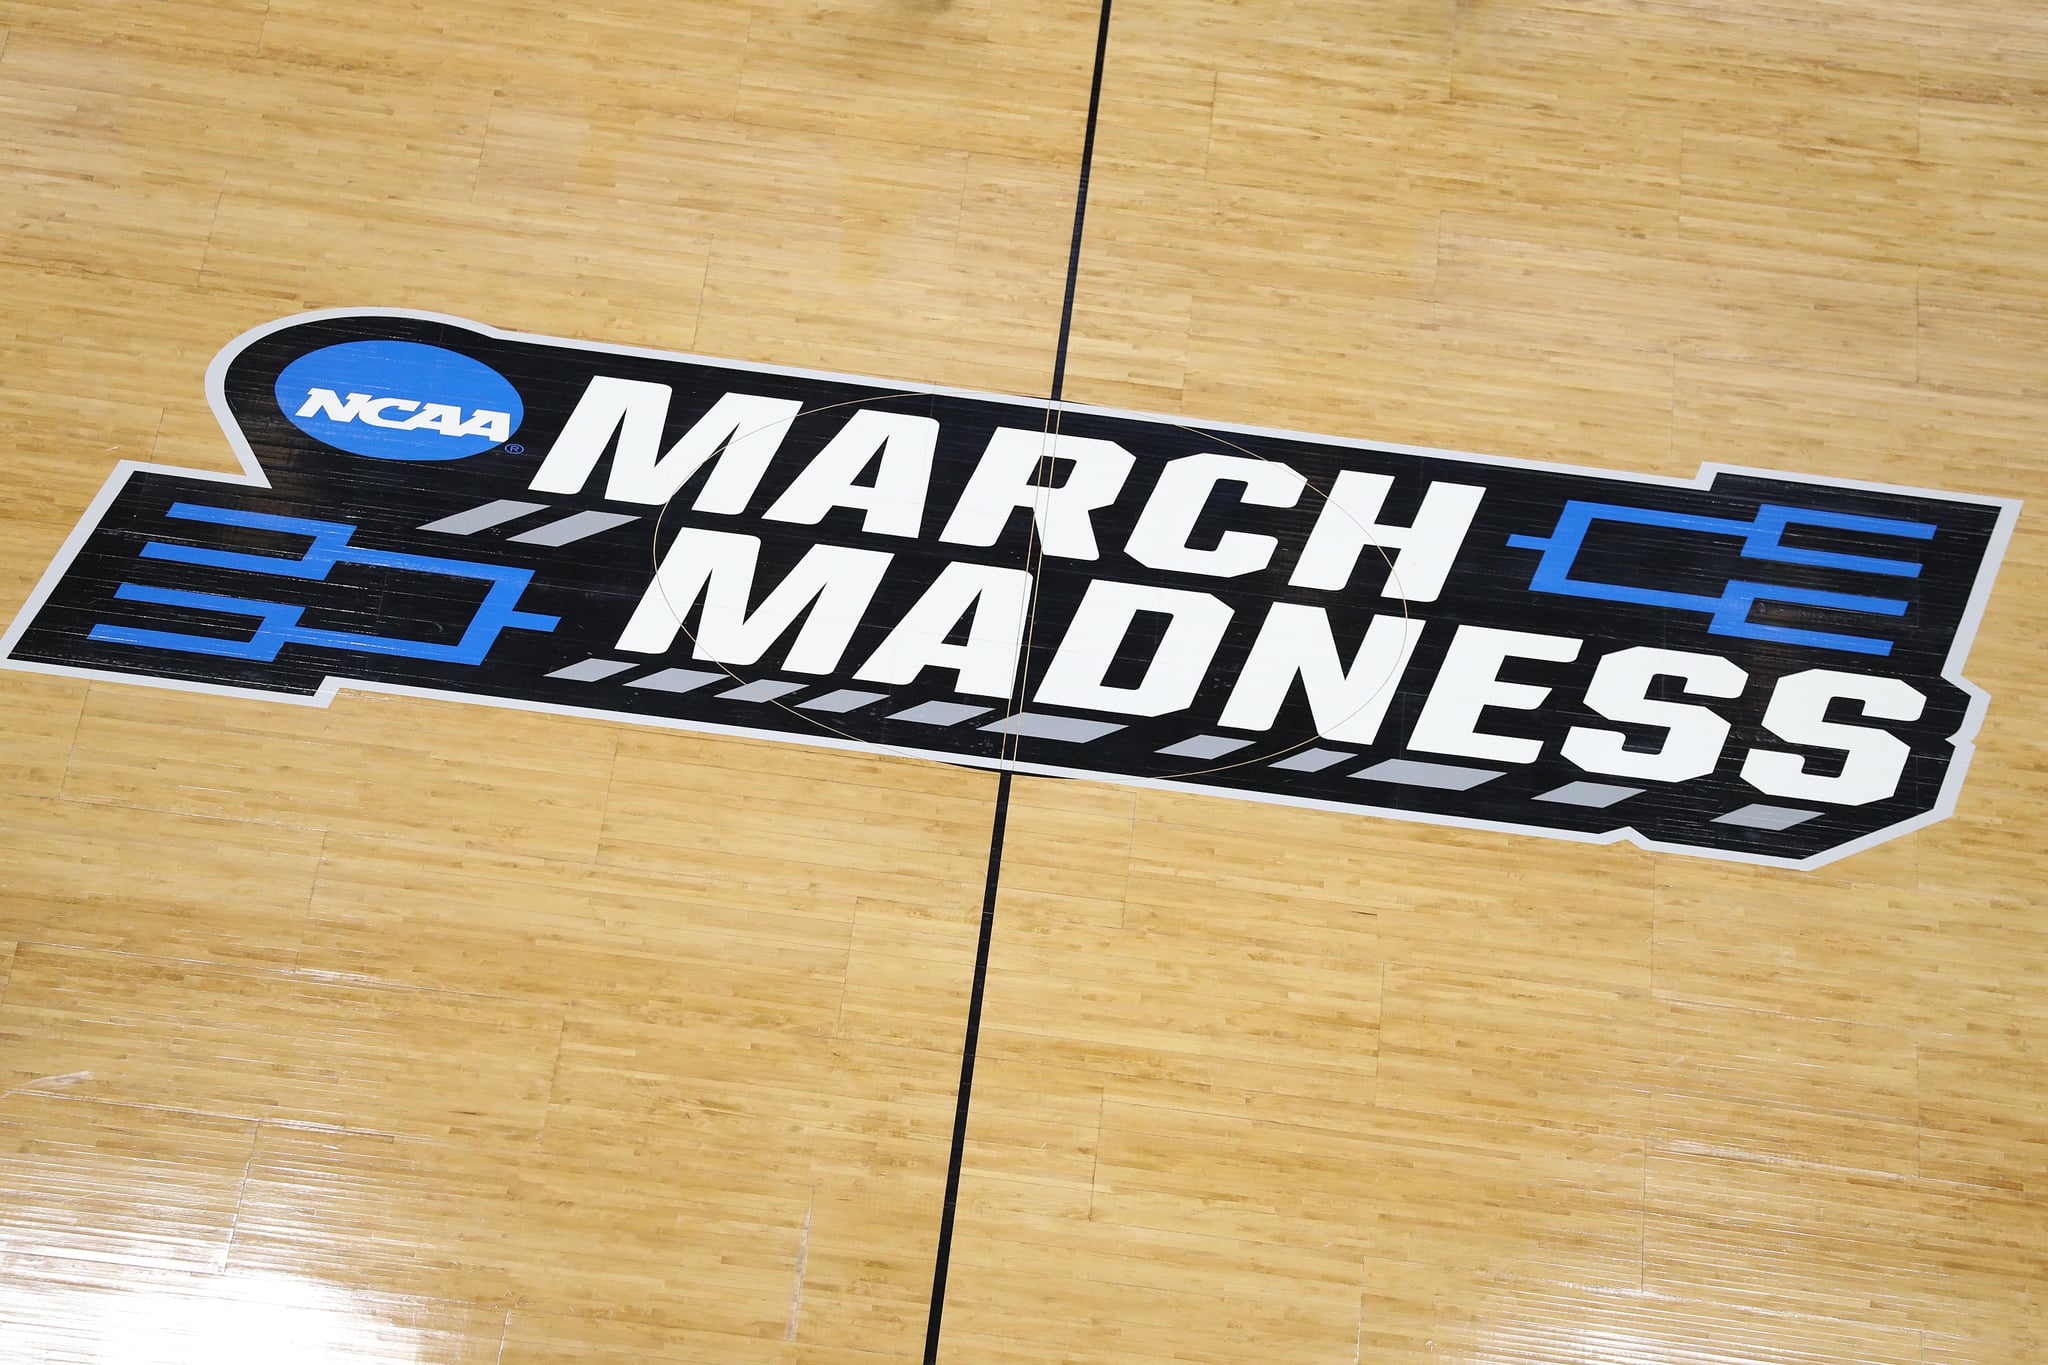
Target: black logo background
column 593, row 584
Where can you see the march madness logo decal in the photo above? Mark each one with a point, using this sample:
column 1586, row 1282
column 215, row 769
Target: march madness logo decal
column 1748, row 665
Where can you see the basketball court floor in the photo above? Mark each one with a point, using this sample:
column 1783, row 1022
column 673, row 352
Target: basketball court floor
column 410, row 1030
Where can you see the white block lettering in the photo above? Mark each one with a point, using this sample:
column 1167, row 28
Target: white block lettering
column 440, row 416
column 1470, row 681
column 1160, row 539
column 1873, row 760
column 835, row 583
column 1006, row 479
column 326, row 403
column 743, row 430
column 895, row 504
column 373, row 413
column 1347, row 703
column 987, row 663
column 1349, row 522
column 1174, row 674
column 485, row 422
column 1693, row 734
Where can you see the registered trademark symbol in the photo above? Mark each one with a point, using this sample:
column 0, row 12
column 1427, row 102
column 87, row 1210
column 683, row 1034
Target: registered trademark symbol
column 515, row 450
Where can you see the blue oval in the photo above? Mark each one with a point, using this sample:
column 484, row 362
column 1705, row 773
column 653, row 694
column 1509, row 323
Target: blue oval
column 399, row 400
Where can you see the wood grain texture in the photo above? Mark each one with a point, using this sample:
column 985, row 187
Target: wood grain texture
column 1739, row 1113
column 407, row 1031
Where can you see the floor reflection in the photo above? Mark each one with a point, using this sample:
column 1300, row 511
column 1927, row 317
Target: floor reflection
column 242, row 1319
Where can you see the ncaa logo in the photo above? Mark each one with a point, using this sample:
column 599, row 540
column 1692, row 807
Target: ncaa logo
column 399, row 400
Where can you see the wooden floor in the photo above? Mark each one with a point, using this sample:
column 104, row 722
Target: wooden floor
column 403, row 1031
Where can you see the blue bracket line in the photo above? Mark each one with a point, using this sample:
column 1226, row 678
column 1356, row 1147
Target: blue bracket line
column 1762, row 538
column 278, row 622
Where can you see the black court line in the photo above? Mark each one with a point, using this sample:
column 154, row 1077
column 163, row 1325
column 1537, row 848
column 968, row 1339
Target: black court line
column 999, row 825
column 1059, row 358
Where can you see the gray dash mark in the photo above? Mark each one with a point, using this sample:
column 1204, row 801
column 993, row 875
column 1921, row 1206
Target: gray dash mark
column 1410, row 773
column 678, row 680
column 1067, row 728
column 846, row 699
column 1596, row 794
column 766, row 689
column 483, row 518
column 575, row 527
column 1204, row 746
column 1766, row 817
column 1313, row 760
column 941, row 713
column 591, row 670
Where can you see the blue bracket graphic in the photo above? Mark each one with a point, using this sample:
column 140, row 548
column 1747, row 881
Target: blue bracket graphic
column 278, row 622
column 1762, row 538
